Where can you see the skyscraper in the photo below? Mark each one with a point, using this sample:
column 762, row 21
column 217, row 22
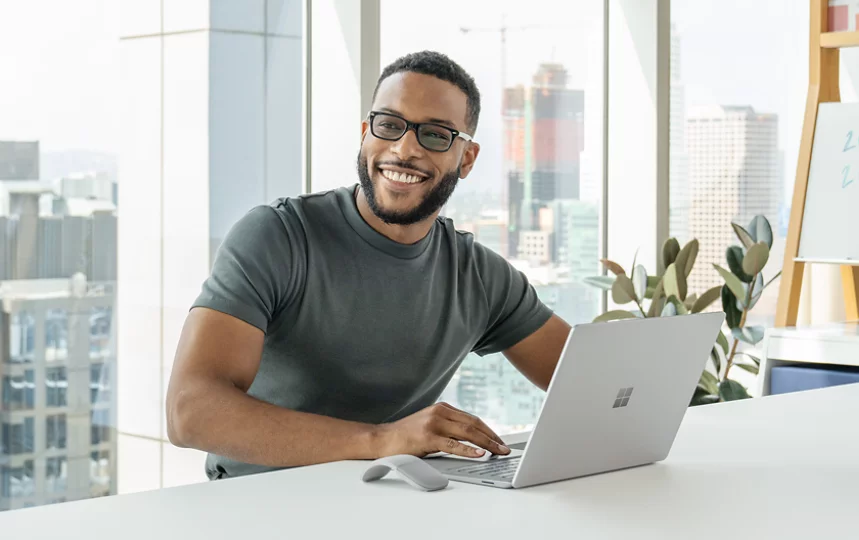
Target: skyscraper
column 733, row 158
column 543, row 142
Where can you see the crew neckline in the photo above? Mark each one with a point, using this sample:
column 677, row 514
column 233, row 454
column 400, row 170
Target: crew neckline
column 349, row 206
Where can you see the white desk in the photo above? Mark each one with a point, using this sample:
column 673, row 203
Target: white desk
column 778, row 467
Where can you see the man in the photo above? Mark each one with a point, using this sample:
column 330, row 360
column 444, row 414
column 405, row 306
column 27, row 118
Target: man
column 332, row 322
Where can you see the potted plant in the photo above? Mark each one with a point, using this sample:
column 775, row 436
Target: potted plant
column 666, row 294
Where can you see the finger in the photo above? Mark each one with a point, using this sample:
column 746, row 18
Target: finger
column 463, row 417
column 453, row 446
column 470, row 433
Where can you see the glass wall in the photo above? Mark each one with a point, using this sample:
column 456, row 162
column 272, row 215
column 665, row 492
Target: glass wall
column 534, row 194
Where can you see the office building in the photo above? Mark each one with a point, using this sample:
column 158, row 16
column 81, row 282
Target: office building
column 19, row 160
column 56, row 355
column 91, row 185
column 733, row 166
column 543, row 142
column 576, row 230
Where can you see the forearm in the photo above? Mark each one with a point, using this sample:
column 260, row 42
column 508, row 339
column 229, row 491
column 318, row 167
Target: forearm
column 222, row 419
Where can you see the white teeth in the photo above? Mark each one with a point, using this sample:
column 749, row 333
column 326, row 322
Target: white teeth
column 400, row 177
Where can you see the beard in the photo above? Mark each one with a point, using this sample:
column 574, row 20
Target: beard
column 431, row 203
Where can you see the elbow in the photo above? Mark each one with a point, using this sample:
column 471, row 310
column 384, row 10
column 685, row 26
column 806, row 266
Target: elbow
column 179, row 419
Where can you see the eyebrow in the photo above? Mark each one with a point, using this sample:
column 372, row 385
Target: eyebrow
column 430, row 121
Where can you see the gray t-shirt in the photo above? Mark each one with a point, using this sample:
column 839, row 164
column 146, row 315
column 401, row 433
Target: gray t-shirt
column 357, row 326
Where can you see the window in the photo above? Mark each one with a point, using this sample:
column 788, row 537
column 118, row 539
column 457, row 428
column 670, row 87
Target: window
column 56, row 385
column 17, row 438
column 22, row 337
column 17, row 482
column 100, row 426
column 736, row 120
column 56, row 335
column 534, row 194
column 99, row 332
column 56, row 472
column 99, row 385
column 19, row 392
column 55, row 431
column 99, row 471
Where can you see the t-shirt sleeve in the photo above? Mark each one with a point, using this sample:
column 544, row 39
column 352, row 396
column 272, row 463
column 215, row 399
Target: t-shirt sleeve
column 515, row 312
column 253, row 275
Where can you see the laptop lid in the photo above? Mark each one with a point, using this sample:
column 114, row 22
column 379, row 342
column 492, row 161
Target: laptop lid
column 618, row 395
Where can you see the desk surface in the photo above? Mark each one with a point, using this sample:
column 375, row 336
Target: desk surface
column 778, row 467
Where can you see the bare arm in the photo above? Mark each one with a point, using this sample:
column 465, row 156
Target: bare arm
column 537, row 355
column 208, row 408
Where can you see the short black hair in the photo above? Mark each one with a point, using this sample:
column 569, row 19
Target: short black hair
column 442, row 67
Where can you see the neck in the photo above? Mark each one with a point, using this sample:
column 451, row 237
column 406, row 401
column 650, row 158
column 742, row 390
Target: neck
column 403, row 234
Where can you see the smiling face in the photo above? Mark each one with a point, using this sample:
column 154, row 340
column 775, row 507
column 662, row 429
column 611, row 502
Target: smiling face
column 405, row 183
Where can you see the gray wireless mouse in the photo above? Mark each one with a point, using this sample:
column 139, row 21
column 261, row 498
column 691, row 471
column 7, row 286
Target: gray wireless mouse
column 413, row 469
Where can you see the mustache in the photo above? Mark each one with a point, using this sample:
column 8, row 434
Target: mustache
column 405, row 165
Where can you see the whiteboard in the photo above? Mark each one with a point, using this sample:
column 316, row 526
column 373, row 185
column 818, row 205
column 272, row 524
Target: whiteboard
column 830, row 223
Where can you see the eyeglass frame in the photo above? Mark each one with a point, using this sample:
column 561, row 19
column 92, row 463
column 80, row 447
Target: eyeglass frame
column 414, row 126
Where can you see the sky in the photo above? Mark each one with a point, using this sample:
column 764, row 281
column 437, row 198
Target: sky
column 60, row 84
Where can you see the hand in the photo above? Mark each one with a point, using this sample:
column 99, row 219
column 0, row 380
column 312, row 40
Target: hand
column 438, row 428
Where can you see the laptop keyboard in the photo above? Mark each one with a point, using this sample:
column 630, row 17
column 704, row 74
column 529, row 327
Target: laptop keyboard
column 502, row 468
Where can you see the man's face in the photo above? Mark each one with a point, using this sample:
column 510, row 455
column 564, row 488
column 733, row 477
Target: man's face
column 382, row 164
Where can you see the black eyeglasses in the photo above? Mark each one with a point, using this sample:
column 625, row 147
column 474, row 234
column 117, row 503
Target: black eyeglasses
column 433, row 137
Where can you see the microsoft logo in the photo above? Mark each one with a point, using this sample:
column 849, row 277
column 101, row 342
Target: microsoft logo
column 623, row 396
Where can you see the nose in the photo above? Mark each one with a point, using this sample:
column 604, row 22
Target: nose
column 408, row 146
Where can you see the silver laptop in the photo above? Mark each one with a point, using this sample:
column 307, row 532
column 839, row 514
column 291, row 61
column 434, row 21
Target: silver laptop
column 616, row 400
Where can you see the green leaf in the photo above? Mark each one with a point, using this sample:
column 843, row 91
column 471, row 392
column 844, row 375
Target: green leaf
column 670, row 310
column 658, row 301
column 734, row 255
column 709, row 382
column 678, row 305
column 639, row 282
column 760, row 231
column 622, row 291
column 729, row 306
column 614, row 315
column 750, row 368
column 754, row 359
column 674, row 282
column 732, row 281
column 612, row 266
column 756, row 258
column 702, row 397
column 670, row 250
column 706, row 299
column 686, row 258
column 750, row 334
column 722, row 340
column 743, row 235
column 690, row 301
column 757, row 290
column 601, row 282
column 652, row 282
column 732, row 390
column 717, row 360
column 656, row 307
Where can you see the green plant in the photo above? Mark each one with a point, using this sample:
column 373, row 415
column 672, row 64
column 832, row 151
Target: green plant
column 668, row 295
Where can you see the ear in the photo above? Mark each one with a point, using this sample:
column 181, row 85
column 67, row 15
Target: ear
column 365, row 128
column 468, row 159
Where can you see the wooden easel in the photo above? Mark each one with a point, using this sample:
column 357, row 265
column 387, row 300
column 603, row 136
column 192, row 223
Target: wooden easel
column 823, row 87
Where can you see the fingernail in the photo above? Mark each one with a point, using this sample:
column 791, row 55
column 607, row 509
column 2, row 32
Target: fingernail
column 504, row 448
column 479, row 452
